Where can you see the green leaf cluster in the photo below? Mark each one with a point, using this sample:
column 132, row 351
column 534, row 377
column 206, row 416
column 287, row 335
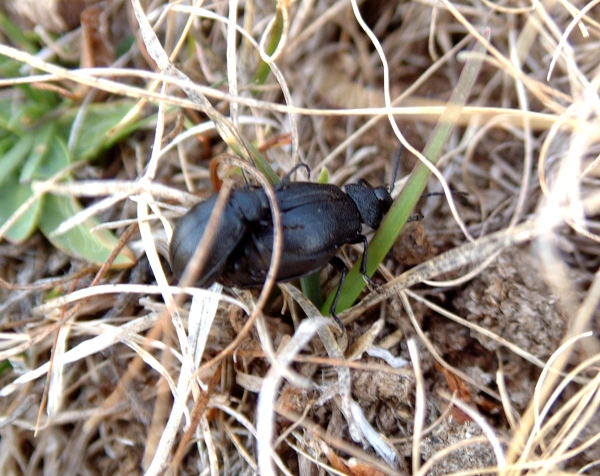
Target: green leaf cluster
column 35, row 128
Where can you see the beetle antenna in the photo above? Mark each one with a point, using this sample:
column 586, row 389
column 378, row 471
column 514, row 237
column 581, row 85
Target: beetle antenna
column 460, row 195
column 396, row 167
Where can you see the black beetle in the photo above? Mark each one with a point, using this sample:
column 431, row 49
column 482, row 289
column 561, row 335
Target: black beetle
column 317, row 220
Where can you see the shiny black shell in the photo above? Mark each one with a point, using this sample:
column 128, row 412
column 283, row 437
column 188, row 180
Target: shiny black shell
column 317, row 220
column 310, row 237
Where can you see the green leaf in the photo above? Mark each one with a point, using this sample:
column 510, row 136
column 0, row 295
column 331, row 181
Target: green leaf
column 100, row 128
column 13, row 196
column 5, row 366
column 263, row 70
column 261, row 164
column 79, row 241
column 15, row 34
column 6, row 143
column 124, row 45
column 41, row 100
column 9, row 68
column 42, row 144
column 56, row 159
column 5, row 110
column 24, row 115
column 15, row 156
column 323, row 176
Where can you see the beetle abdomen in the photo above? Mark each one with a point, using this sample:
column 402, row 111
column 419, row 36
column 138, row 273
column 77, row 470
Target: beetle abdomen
column 310, row 237
column 230, row 231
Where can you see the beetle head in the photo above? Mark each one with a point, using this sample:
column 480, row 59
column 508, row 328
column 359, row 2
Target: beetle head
column 372, row 203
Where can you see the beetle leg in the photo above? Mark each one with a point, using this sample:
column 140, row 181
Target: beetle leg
column 415, row 217
column 363, row 262
column 338, row 264
column 364, row 183
column 286, row 177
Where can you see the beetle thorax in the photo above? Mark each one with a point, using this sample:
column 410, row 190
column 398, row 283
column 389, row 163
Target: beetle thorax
column 372, row 203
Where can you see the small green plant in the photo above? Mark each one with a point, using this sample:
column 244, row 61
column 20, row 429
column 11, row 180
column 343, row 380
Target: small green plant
column 35, row 127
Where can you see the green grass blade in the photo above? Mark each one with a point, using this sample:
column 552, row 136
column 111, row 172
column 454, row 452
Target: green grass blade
column 263, row 70
column 401, row 210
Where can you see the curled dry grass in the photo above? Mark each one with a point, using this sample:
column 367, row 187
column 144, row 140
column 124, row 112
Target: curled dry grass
column 120, row 375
